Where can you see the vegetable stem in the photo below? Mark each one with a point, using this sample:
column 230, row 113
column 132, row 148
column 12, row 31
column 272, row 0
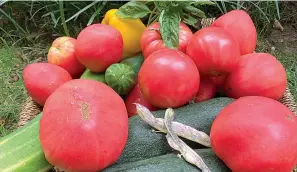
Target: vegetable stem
column 181, row 130
column 176, row 143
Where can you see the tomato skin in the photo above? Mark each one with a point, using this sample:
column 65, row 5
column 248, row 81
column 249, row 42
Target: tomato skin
column 257, row 74
column 168, row 78
column 240, row 25
column 256, row 134
column 214, row 51
column 80, row 122
column 219, row 82
column 151, row 39
column 98, row 46
column 62, row 53
column 207, row 90
column 42, row 79
column 135, row 96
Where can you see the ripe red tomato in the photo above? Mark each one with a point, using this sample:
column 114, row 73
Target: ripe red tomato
column 214, row 51
column 151, row 39
column 258, row 74
column 256, row 134
column 168, row 78
column 240, row 25
column 84, row 126
column 42, row 79
column 135, row 96
column 98, row 46
column 207, row 90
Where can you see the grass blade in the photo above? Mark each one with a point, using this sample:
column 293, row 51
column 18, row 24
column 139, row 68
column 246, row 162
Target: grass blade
column 54, row 20
column 224, row 7
column 96, row 13
column 3, row 2
column 13, row 21
column 260, row 11
column 81, row 11
column 4, row 43
column 238, row 5
column 50, row 13
column 61, row 7
column 277, row 9
column 219, row 7
column 32, row 16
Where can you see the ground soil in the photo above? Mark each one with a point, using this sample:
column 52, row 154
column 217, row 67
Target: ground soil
column 283, row 40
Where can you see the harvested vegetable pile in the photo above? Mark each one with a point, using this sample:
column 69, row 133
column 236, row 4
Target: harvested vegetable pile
column 126, row 97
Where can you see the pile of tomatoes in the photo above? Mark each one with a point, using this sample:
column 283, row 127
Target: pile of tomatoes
column 219, row 58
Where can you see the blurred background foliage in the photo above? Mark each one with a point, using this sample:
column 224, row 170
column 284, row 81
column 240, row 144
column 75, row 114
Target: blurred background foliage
column 34, row 22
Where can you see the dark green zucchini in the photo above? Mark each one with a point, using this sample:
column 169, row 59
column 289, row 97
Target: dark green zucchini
column 143, row 143
column 171, row 163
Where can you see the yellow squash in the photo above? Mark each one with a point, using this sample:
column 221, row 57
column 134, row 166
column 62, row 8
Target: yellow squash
column 131, row 30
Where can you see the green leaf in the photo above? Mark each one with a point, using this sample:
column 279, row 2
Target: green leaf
column 162, row 5
column 184, row 4
column 133, row 10
column 195, row 11
column 169, row 27
column 191, row 21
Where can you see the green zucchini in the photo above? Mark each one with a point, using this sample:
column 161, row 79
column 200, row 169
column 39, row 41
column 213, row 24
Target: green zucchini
column 172, row 163
column 93, row 76
column 143, row 143
column 21, row 151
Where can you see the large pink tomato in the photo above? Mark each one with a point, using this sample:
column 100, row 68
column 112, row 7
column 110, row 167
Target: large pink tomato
column 258, row 74
column 255, row 134
column 168, row 78
column 151, row 39
column 240, row 25
column 84, row 126
column 214, row 51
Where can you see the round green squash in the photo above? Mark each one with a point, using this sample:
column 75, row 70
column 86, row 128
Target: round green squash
column 121, row 78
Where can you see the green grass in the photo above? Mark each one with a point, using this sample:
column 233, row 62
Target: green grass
column 12, row 91
column 12, row 94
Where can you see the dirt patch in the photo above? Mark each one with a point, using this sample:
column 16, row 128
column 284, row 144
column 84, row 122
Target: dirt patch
column 284, row 40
